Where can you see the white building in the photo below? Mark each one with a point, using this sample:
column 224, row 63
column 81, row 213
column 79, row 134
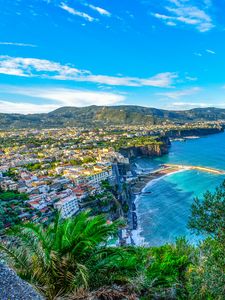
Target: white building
column 67, row 206
column 98, row 177
column 4, row 169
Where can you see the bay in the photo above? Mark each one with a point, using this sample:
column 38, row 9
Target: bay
column 163, row 214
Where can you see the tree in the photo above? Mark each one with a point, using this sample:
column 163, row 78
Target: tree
column 106, row 185
column 208, row 216
column 61, row 258
column 207, row 276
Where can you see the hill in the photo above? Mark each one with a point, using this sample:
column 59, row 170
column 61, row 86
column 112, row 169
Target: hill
column 108, row 115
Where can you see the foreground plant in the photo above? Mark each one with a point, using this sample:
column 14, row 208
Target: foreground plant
column 208, row 216
column 59, row 259
column 70, row 259
column 206, row 279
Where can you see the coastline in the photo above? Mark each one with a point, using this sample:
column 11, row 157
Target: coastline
column 138, row 185
column 141, row 184
column 154, row 177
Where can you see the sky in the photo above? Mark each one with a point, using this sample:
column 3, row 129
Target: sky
column 166, row 54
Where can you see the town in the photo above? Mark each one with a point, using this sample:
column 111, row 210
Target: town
column 70, row 169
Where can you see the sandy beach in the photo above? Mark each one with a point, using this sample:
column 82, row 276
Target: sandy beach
column 139, row 183
column 138, row 187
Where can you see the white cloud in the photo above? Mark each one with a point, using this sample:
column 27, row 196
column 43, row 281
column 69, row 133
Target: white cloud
column 180, row 93
column 67, row 97
column 210, row 51
column 159, row 80
column 170, row 23
column 100, row 10
column 55, row 98
column 190, row 78
column 188, row 105
column 207, row 50
column 198, row 54
column 76, row 12
column 33, row 67
column 181, row 11
column 17, row 44
column 24, row 107
column 163, row 17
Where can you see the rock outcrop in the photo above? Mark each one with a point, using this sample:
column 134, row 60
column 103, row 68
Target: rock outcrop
column 13, row 287
column 155, row 149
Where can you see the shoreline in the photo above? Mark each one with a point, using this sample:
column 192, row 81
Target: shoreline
column 140, row 187
column 139, row 184
column 135, row 233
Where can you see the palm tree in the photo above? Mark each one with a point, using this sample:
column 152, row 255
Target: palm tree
column 58, row 259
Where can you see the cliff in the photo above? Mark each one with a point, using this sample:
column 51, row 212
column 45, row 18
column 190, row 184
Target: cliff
column 155, row 149
column 194, row 132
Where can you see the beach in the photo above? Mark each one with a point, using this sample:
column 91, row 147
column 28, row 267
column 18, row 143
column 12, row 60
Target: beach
column 139, row 186
column 163, row 204
column 139, row 183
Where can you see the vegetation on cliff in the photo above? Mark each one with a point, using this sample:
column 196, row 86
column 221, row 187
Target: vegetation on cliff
column 143, row 146
column 72, row 258
column 12, row 204
column 137, row 142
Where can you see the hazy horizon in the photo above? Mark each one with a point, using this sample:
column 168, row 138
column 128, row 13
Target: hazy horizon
column 120, row 105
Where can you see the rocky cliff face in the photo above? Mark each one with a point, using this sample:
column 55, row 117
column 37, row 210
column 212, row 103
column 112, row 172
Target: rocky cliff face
column 159, row 148
column 13, row 287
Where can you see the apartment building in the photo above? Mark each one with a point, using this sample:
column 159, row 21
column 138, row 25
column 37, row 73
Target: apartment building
column 67, row 206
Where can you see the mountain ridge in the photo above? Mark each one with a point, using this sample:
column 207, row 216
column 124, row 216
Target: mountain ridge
column 108, row 115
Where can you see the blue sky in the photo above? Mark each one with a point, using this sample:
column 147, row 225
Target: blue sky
column 166, row 54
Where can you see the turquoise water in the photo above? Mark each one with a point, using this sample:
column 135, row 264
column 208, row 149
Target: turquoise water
column 163, row 214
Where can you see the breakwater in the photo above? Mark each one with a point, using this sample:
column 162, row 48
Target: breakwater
column 142, row 180
column 198, row 168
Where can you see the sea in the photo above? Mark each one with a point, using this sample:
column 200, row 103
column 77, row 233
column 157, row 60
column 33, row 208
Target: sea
column 164, row 207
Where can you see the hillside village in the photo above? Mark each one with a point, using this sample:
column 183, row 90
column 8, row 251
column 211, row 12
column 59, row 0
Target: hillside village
column 68, row 170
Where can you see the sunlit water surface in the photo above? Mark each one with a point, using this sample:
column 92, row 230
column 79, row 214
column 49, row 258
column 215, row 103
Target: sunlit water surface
column 163, row 214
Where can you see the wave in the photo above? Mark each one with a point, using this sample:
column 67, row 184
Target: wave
column 154, row 181
column 138, row 239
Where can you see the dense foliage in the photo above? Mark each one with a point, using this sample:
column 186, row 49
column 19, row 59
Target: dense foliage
column 208, row 216
column 12, row 205
column 136, row 142
column 207, row 278
column 72, row 258
column 61, row 257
